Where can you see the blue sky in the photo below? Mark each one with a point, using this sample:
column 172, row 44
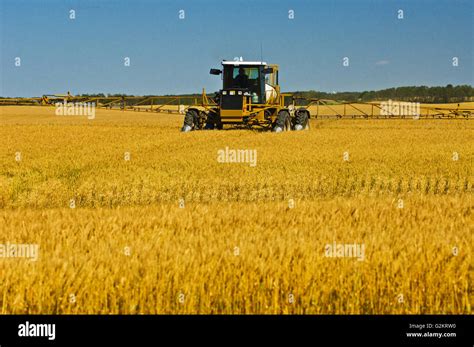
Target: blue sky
column 169, row 55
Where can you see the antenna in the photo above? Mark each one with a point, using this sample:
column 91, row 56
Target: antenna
column 261, row 51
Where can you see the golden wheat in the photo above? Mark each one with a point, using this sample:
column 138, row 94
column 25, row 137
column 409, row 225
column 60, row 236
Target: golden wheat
column 172, row 230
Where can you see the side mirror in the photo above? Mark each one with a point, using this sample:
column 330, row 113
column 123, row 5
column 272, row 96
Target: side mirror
column 215, row 72
column 268, row 70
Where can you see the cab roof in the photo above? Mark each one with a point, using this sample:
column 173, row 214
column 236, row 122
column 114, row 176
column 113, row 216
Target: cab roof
column 237, row 63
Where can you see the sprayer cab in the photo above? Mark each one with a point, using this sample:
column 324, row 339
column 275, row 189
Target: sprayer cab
column 248, row 77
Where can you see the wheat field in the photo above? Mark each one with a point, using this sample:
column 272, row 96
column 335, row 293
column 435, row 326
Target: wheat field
column 130, row 216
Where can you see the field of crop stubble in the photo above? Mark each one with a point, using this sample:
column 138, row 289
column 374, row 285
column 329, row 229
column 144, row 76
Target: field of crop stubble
column 172, row 230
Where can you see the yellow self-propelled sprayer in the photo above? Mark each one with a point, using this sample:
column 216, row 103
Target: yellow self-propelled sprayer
column 250, row 96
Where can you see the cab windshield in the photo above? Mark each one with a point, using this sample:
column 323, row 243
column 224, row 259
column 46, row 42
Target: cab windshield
column 243, row 77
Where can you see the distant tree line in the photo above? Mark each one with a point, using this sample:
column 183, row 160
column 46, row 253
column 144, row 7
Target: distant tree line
column 423, row 94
